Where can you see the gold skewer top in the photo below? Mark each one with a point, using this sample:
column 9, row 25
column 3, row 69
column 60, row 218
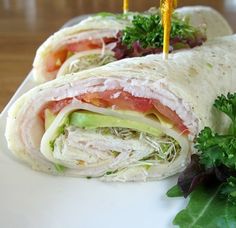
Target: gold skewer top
column 125, row 6
column 167, row 7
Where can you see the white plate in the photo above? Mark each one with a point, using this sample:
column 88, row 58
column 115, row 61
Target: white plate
column 30, row 199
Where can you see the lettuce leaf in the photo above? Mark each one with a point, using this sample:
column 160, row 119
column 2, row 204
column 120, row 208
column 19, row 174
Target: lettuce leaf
column 175, row 191
column 207, row 208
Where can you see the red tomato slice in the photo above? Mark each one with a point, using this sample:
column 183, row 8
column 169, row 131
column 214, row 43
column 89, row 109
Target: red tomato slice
column 122, row 100
column 171, row 115
column 108, row 40
column 57, row 106
column 93, row 98
column 54, row 106
column 55, row 60
column 125, row 101
column 119, row 99
column 84, row 45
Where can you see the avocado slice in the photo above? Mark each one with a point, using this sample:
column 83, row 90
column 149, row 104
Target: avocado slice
column 92, row 120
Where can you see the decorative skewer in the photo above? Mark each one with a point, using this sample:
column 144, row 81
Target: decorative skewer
column 167, row 8
column 125, row 6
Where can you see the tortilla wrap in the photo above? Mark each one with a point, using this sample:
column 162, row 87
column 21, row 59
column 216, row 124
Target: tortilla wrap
column 186, row 86
column 50, row 63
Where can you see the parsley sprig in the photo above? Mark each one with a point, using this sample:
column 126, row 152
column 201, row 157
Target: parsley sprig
column 148, row 30
column 228, row 190
column 227, row 104
column 218, row 149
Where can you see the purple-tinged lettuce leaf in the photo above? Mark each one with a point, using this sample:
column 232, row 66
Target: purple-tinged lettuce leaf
column 196, row 174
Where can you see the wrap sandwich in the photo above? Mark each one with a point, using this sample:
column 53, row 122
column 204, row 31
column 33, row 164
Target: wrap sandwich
column 105, row 38
column 130, row 120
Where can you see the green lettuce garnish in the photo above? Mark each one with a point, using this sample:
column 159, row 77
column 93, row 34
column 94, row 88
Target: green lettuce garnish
column 210, row 178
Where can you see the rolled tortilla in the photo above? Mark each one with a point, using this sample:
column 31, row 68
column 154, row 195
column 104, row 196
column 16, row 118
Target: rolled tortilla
column 215, row 24
column 147, row 111
column 91, row 42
